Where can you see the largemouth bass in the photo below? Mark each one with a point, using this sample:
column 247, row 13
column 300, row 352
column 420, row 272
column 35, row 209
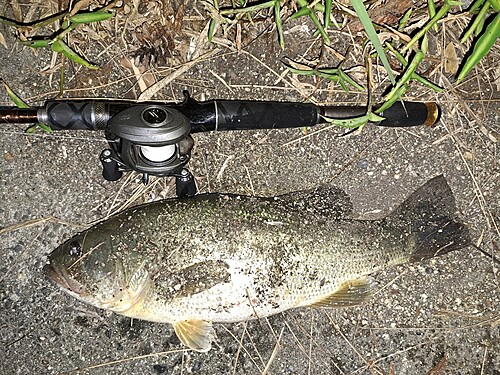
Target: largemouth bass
column 228, row 258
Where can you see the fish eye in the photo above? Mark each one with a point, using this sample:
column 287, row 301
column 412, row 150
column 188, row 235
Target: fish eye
column 75, row 248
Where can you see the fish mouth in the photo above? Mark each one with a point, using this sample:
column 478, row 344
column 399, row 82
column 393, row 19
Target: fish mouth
column 61, row 278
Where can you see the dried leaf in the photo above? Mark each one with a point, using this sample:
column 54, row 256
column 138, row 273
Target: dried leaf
column 440, row 367
column 2, row 41
column 16, row 9
column 8, row 156
column 451, row 62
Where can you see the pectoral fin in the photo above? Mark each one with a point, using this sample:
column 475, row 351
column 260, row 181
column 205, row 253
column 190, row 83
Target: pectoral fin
column 195, row 334
column 193, row 279
column 351, row 293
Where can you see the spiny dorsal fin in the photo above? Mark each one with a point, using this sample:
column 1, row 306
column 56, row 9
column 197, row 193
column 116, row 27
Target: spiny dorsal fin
column 433, row 197
column 326, row 201
column 351, row 293
column 195, row 334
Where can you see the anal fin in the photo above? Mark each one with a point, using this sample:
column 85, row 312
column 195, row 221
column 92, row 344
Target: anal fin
column 351, row 293
column 195, row 334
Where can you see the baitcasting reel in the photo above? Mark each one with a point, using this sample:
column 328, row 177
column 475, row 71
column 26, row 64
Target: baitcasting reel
column 151, row 139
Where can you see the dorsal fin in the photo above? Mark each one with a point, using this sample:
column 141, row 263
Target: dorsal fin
column 351, row 293
column 433, row 197
column 195, row 334
column 326, row 201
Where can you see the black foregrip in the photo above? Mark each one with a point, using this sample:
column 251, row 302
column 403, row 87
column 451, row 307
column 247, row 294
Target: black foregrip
column 248, row 115
column 76, row 115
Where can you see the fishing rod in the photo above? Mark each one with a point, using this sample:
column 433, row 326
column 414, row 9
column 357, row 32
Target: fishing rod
column 155, row 138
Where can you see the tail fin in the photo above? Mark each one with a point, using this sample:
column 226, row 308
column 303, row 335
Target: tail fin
column 429, row 216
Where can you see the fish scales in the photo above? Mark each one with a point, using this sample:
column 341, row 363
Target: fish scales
column 228, row 258
column 271, row 266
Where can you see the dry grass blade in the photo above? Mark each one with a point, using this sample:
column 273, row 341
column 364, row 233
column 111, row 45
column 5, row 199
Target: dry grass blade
column 33, row 222
column 240, row 345
column 305, row 334
column 274, row 353
column 16, row 9
column 118, row 361
column 245, row 349
column 485, row 355
column 158, row 86
column 80, row 5
column 351, row 345
column 2, row 41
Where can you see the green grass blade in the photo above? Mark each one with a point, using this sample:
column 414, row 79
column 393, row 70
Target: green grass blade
column 305, row 11
column 415, row 76
column 89, row 17
column 404, row 19
column 432, row 12
column 20, row 103
column 12, row 95
column 351, row 123
column 328, row 12
column 440, row 14
column 213, row 23
column 211, row 30
column 481, row 47
column 303, row 72
column 355, row 122
column 331, row 74
column 44, row 127
column 36, row 43
column 319, row 26
column 474, row 7
column 277, row 21
column 402, row 85
column 61, row 47
column 345, row 77
column 372, row 34
column 477, row 21
column 495, row 4
column 393, row 96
